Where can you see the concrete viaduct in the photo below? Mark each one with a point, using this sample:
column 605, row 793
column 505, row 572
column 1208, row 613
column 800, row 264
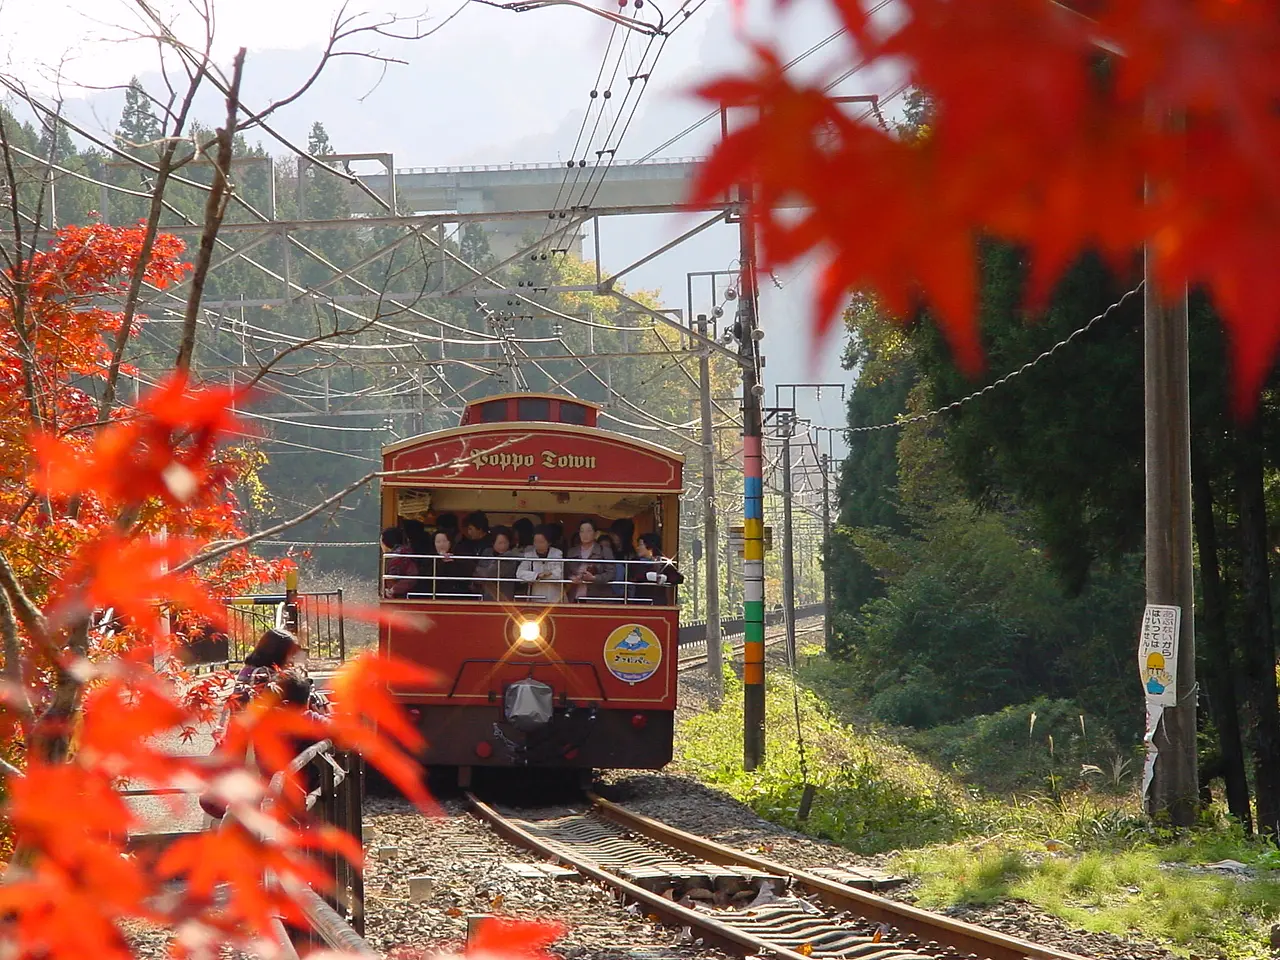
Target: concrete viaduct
column 530, row 186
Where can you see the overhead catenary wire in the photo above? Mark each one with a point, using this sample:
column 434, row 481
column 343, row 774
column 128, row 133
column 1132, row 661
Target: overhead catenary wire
column 996, row 384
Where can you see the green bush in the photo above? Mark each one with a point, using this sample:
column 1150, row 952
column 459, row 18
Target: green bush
column 1008, row 751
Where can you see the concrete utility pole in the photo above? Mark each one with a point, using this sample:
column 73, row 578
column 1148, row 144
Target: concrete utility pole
column 752, row 509
column 786, row 424
column 1175, row 784
column 710, row 533
column 826, row 537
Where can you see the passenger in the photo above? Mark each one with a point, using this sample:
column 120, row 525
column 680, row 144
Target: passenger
column 448, row 522
column 399, row 571
column 523, row 531
column 543, row 568
column 556, row 532
column 621, row 532
column 496, row 571
column 587, row 566
column 475, row 535
column 653, row 579
column 451, row 575
column 419, row 538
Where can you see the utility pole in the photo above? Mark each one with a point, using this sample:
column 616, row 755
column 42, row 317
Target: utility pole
column 786, row 424
column 1174, row 786
column 826, row 537
column 710, row 533
column 752, row 507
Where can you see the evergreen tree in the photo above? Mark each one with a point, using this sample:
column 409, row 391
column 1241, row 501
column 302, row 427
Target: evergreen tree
column 138, row 123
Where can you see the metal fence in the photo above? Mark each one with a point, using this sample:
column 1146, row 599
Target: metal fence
column 337, row 919
column 696, row 632
column 317, row 619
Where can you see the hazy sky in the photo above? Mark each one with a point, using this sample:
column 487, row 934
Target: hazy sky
column 490, row 87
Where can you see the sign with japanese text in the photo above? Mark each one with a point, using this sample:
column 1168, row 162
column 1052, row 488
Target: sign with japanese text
column 543, row 456
column 1158, row 653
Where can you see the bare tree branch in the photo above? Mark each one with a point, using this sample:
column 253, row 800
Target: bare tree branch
column 215, row 208
column 213, row 553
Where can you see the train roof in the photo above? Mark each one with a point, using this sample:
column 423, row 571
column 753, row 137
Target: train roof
column 533, row 455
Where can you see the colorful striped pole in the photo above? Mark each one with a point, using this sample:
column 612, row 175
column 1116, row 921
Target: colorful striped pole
column 752, row 511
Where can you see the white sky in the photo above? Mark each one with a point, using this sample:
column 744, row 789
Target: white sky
column 490, row 87
column 91, row 37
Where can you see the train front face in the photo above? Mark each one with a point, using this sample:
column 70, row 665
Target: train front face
column 522, row 682
column 568, row 685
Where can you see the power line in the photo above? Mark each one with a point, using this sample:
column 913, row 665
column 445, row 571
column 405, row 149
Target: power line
column 956, row 404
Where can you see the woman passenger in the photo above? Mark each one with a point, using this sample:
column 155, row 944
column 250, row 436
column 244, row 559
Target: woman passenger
column 543, row 568
column 653, row 579
column 496, row 570
column 621, row 532
column 400, row 572
column 585, row 566
column 522, row 530
column 451, row 575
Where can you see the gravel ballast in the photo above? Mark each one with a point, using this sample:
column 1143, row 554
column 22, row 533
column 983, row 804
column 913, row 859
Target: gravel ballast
column 465, row 866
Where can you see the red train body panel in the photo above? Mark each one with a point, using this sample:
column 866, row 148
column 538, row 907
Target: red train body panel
column 607, row 668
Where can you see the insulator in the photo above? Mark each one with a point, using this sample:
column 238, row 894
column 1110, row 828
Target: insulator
column 731, row 294
column 608, row 94
column 570, row 164
column 594, row 94
column 582, row 162
column 717, row 312
column 544, row 256
column 551, row 215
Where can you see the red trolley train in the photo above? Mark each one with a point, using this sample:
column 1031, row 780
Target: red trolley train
column 521, row 681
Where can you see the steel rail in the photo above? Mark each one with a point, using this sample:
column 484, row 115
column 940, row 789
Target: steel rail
column 770, row 639
column 965, row 937
column 712, row 930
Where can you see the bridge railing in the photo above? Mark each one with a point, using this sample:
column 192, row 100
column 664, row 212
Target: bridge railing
column 497, row 167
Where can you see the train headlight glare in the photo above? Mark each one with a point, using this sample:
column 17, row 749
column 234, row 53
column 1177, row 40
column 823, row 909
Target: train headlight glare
column 530, row 631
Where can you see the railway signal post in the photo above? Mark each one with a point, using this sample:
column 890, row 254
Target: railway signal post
column 752, row 509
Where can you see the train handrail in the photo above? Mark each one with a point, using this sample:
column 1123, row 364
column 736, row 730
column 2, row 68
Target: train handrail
column 434, row 577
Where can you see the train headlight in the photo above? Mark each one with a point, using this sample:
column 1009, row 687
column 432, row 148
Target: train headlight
column 530, row 633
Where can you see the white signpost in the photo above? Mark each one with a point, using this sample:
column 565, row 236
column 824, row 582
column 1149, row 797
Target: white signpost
column 1158, row 672
column 1158, row 653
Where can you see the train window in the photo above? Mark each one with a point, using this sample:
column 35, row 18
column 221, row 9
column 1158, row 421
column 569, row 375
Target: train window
column 572, row 413
column 533, row 408
column 495, row 411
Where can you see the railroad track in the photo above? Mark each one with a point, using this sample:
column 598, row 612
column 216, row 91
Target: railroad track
column 699, row 657
column 744, row 904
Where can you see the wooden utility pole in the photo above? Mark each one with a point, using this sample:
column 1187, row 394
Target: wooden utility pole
column 710, row 534
column 1174, row 787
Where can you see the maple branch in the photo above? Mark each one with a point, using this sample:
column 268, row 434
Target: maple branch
column 213, row 553
column 51, row 737
column 13, row 656
column 28, row 613
column 215, row 208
